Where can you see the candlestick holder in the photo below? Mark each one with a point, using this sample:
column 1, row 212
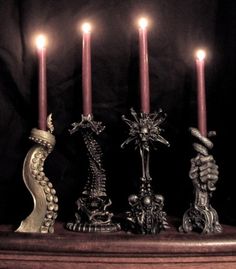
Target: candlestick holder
column 45, row 209
column 201, row 216
column 146, row 215
column 92, row 213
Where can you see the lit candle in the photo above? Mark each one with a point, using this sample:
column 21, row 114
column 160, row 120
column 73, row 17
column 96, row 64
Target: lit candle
column 143, row 67
column 86, row 70
column 42, row 84
column 201, row 96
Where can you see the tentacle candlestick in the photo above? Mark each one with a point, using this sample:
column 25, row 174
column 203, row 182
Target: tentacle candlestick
column 201, row 216
column 146, row 215
column 93, row 214
column 45, row 209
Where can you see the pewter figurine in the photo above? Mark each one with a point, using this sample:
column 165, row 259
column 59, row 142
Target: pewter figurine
column 201, row 216
column 92, row 213
column 146, row 215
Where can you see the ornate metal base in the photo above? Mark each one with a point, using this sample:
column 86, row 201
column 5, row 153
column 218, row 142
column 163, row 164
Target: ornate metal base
column 201, row 216
column 45, row 209
column 93, row 214
column 146, row 215
column 201, row 219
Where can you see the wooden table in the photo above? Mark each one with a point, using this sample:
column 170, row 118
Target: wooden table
column 65, row 249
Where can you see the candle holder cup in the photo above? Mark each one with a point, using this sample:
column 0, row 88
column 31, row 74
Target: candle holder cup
column 45, row 209
column 146, row 215
column 201, row 216
column 92, row 213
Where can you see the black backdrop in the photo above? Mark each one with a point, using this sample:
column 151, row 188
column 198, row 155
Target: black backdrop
column 177, row 28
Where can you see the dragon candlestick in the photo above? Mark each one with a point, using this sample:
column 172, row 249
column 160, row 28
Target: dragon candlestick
column 201, row 216
column 93, row 214
column 45, row 209
column 146, row 215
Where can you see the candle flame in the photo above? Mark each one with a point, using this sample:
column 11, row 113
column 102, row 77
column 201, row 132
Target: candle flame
column 200, row 55
column 86, row 27
column 143, row 23
column 41, row 41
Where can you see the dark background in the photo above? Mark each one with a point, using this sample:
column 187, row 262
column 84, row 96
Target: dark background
column 177, row 28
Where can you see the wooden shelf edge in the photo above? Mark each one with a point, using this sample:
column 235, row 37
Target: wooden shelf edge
column 68, row 250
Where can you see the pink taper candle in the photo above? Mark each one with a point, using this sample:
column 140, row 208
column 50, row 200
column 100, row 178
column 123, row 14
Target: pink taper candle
column 201, row 95
column 143, row 67
column 86, row 70
column 42, row 83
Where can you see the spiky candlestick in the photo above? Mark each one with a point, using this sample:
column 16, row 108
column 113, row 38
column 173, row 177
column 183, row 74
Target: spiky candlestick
column 146, row 215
